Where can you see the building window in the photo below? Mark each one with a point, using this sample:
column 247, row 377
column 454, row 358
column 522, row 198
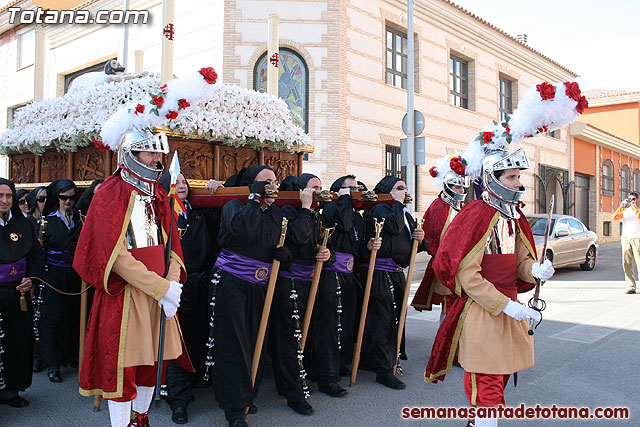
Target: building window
column 26, row 48
column 506, row 98
column 607, row 178
column 606, row 228
column 554, row 134
column 293, row 83
column 12, row 114
column 625, row 182
column 458, row 82
column 394, row 162
column 636, row 179
column 97, row 68
column 397, row 49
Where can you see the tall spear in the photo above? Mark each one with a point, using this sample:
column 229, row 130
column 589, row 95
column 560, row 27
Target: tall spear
column 535, row 302
column 365, row 303
column 405, row 301
column 174, row 170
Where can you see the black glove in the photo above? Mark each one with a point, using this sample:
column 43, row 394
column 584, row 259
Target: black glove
column 283, row 254
column 258, row 187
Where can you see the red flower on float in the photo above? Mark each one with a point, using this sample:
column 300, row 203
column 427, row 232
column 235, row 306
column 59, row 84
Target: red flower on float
column 157, row 100
column 572, row 90
column 433, row 172
column 209, row 75
column 458, row 165
column 163, row 89
column 139, row 109
column 543, row 129
column 487, row 137
column 97, row 142
column 182, row 103
column 507, row 129
column 582, row 104
column 171, row 115
column 547, row 91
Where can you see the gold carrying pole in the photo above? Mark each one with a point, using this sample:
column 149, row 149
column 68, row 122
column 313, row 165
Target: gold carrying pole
column 313, row 290
column 365, row 304
column 405, row 301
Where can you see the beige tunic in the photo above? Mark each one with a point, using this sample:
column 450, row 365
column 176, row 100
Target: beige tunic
column 143, row 317
column 492, row 342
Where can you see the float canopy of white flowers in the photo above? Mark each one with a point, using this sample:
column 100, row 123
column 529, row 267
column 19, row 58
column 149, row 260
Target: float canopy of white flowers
column 231, row 115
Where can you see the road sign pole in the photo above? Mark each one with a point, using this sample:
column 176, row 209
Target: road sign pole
column 411, row 170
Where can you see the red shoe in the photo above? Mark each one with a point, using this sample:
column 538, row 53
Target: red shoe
column 141, row 420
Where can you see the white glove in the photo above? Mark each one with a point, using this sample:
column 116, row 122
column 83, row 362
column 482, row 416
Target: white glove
column 520, row 311
column 344, row 191
column 542, row 271
column 171, row 300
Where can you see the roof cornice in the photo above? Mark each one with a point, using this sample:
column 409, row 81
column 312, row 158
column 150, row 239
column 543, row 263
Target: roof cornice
column 594, row 135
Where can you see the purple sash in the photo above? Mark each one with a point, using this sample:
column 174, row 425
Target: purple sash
column 343, row 264
column 244, row 268
column 59, row 258
column 14, row 271
column 388, row 264
column 299, row 272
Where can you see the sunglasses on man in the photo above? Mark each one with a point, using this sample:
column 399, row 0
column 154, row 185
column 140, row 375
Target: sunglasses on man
column 65, row 198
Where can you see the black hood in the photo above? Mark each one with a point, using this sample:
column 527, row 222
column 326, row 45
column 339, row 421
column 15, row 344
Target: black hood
column 293, row 183
column 337, row 184
column 53, row 190
column 15, row 209
column 386, row 184
column 247, row 175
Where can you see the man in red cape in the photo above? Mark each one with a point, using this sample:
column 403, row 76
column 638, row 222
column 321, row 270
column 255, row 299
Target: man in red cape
column 485, row 259
column 436, row 220
column 121, row 253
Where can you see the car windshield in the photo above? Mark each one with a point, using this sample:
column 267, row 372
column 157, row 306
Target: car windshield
column 538, row 225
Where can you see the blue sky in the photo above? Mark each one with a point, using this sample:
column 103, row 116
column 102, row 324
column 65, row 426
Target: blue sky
column 597, row 39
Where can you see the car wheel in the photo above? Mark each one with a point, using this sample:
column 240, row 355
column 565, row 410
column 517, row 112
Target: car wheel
column 590, row 261
column 550, row 256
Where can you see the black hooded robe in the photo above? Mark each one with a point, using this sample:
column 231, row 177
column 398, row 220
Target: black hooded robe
column 17, row 240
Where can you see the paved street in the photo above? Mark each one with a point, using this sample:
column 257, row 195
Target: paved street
column 586, row 355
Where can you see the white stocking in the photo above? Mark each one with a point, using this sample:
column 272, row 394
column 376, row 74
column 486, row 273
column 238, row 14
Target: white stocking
column 143, row 400
column 119, row 413
column 486, row 422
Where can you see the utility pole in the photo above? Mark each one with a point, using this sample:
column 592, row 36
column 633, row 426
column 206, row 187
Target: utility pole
column 411, row 169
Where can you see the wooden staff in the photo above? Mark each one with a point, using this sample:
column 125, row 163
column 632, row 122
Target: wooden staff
column 271, row 287
column 313, row 290
column 365, row 304
column 83, row 321
column 407, row 289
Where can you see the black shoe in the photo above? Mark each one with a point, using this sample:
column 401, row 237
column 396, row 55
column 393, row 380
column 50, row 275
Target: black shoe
column 15, row 402
column 37, row 366
column 390, row 381
column 180, row 415
column 301, row 407
column 631, row 291
column 55, row 377
column 238, row 423
column 333, row 390
column 253, row 409
column 403, row 356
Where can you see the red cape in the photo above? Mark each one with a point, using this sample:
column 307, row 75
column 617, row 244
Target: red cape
column 98, row 245
column 466, row 235
column 436, row 222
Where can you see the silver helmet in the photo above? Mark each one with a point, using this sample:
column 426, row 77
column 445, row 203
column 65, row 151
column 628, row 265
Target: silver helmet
column 497, row 194
column 451, row 196
column 132, row 170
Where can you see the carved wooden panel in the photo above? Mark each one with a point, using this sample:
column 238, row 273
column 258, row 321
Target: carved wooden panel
column 89, row 164
column 233, row 159
column 23, row 168
column 284, row 164
column 53, row 166
column 196, row 158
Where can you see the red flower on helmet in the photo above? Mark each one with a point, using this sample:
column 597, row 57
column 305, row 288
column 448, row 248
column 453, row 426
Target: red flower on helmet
column 209, row 75
column 487, row 137
column 543, row 129
column 547, row 91
column 458, row 165
column 182, row 103
column 582, row 104
column 139, row 109
column 171, row 115
column 433, row 172
column 572, row 90
column 163, row 89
